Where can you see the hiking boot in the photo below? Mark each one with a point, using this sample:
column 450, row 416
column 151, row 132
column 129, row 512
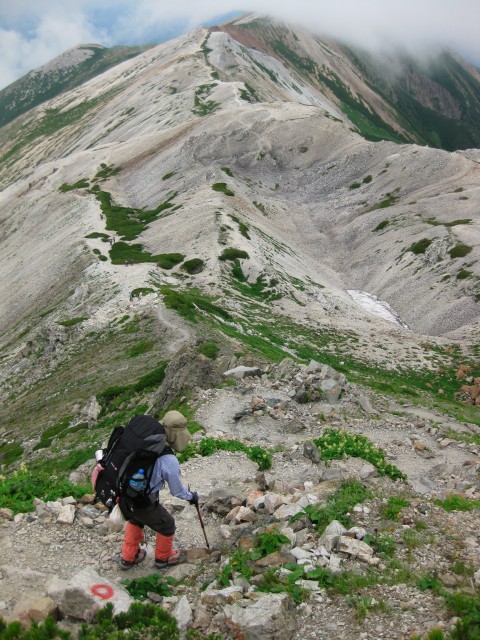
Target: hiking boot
column 178, row 556
column 125, row 565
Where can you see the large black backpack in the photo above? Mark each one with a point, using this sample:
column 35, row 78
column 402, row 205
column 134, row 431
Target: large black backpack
column 130, row 448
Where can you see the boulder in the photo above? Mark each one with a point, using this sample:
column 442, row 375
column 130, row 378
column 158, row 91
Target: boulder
column 34, row 608
column 220, row 597
column 270, row 616
column 310, row 451
column 287, row 511
column 66, row 514
column 243, row 372
column 182, row 612
column 356, row 549
column 6, row 514
column 331, row 536
column 87, row 592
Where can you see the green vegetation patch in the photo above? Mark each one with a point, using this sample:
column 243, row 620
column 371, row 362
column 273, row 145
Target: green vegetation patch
column 335, row 443
column 454, row 223
column 169, row 175
column 106, row 171
column 10, row 452
column 209, row 349
column 142, row 347
column 193, row 266
column 420, row 247
column 242, row 227
column 394, row 506
column 228, row 171
column 188, row 302
column 142, row 290
column 460, row 250
column 221, row 187
column 122, row 252
column 112, row 398
column 381, row 225
column 208, row 446
column 128, row 222
column 204, row 107
column 463, row 274
column 249, row 94
column 339, row 504
column 98, row 234
column 19, row 489
column 139, row 588
column 72, row 321
column 52, row 432
column 355, row 185
column 81, row 184
column 259, row 289
column 458, row 503
column 390, row 199
column 233, row 254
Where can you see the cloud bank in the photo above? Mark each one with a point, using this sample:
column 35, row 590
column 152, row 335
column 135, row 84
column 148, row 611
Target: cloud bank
column 32, row 32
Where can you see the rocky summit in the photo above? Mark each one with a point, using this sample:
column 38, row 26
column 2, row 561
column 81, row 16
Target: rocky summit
column 277, row 236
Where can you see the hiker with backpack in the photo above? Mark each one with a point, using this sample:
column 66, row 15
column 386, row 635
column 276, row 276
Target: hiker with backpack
column 138, row 461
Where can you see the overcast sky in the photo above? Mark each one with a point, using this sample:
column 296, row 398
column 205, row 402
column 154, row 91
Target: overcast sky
column 32, row 32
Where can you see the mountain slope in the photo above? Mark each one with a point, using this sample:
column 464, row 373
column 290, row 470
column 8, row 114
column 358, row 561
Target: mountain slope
column 241, row 197
column 64, row 72
column 389, row 97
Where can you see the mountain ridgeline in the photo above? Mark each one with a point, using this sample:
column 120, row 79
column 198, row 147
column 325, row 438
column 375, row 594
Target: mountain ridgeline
column 67, row 71
column 387, row 97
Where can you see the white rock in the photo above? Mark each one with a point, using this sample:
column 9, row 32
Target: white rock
column 258, row 502
column 54, row 507
column 300, row 553
column 68, row 500
column 225, row 531
column 310, row 585
column 221, row 596
column 66, row 514
column 287, row 511
column 86, row 593
column 272, row 501
column 182, row 612
column 270, row 616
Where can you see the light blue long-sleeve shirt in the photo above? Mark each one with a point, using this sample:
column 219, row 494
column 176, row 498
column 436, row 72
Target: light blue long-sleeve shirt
column 167, row 469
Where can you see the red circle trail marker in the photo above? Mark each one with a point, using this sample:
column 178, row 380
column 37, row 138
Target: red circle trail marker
column 103, row 591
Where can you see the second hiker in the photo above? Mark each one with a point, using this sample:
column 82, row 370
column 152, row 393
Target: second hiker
column 150, row 512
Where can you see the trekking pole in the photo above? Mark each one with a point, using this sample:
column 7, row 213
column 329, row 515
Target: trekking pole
column 201, row 523
column 203, row 526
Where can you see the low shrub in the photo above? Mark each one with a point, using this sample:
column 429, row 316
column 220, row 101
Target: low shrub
column 72, row 321
column 392, row 509
column 209, row 349
column 221, row 187
column 19, row 489
column 420, row 247
column 208, row 446
column 335, row 443
column 381, row 225
column 10, row 452
column 458, row 503
column 460, row 250
column 233, row 254
column 81, row 184
column 193, row 266
column 338, row 505
column 142, row 347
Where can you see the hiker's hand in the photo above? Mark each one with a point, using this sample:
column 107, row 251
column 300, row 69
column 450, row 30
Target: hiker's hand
column 194, row 499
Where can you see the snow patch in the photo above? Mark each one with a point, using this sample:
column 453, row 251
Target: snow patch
column 375, row 306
